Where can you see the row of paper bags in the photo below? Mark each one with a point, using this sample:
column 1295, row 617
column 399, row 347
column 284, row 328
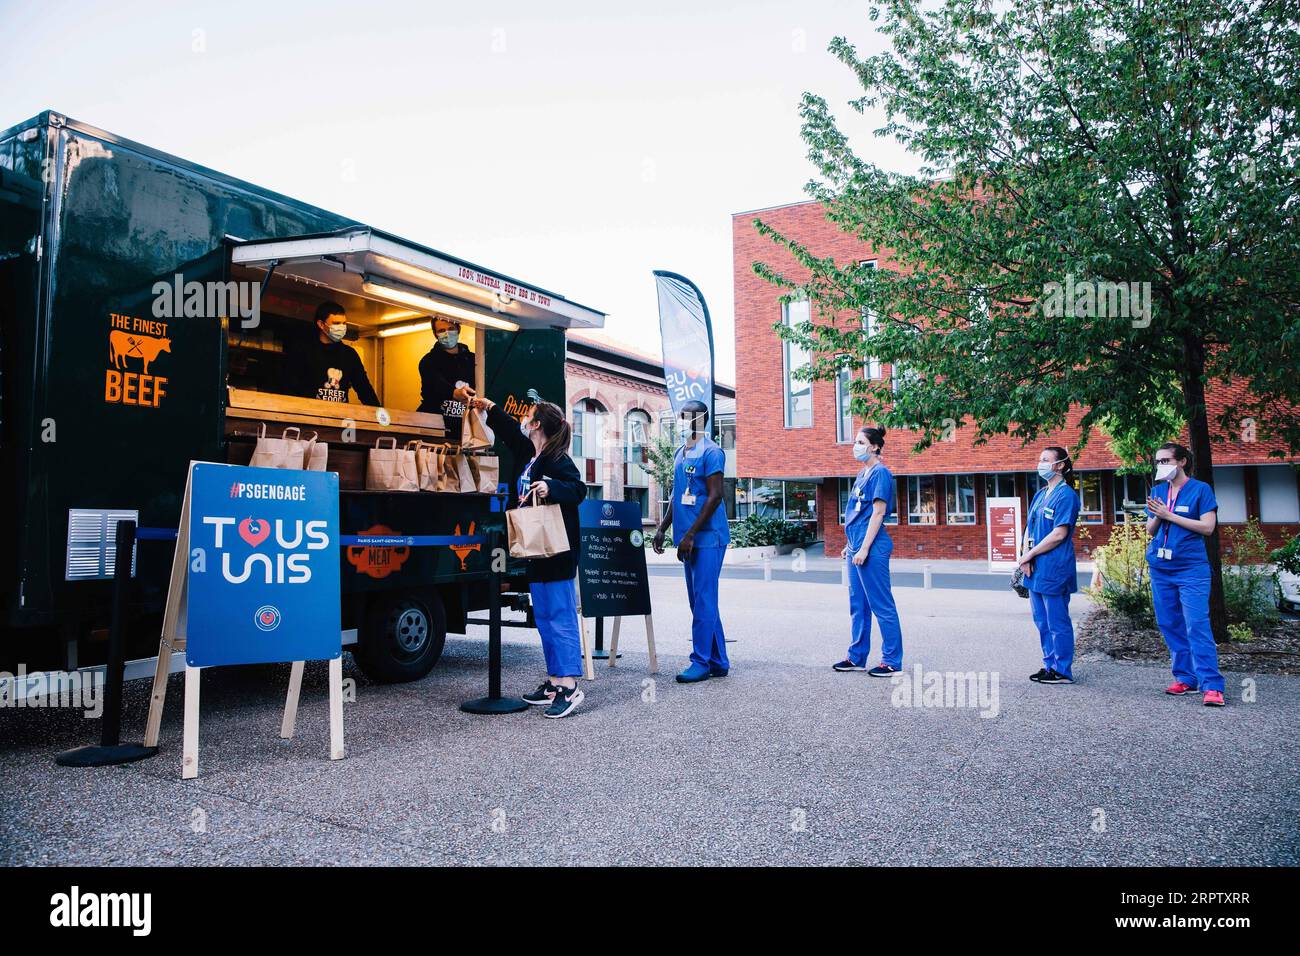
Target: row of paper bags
column 422, row 466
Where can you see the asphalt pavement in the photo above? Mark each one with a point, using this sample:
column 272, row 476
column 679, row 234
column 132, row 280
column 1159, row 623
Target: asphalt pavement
column 782, row 762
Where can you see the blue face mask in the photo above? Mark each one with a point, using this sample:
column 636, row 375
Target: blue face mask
column 863, row 453
column 1046, row 471
column 448, row 340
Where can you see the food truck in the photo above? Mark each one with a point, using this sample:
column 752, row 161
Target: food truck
column 150, row 314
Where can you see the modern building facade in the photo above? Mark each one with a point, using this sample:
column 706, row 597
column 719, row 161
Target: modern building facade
column 617, row 404
column 795, row 438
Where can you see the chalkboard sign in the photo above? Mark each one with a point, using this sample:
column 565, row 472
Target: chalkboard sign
column 611, row 560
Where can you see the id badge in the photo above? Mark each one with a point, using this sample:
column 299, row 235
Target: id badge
column 1165, row 554
column 688, row 498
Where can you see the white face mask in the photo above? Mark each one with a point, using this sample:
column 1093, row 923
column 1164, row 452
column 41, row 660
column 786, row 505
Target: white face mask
column 1166, row 471
column 863, row 452
column 337, row 331
column 523, row 427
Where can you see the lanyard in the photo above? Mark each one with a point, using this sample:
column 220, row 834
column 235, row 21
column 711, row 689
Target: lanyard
column 1170, row 498
column 526, row 480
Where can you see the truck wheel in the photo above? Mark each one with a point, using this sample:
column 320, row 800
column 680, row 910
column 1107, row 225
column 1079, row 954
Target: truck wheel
column 402, row 638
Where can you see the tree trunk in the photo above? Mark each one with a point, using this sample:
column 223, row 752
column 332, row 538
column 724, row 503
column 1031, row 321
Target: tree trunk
column 1198, row 435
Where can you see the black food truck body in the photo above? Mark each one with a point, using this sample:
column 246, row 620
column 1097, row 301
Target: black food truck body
column 127, row 351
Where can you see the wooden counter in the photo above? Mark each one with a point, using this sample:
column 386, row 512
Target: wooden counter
column 247, row 410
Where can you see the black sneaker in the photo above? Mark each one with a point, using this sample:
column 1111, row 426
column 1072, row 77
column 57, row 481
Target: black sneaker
column 846, row 666
column 1042, row 672
column 566, row 700
column 1055, row 677
column 544, row 694
column 883, row 670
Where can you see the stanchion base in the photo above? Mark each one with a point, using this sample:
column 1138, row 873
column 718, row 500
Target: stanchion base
column 493, row 705
column 105, row 756
column 600, row 654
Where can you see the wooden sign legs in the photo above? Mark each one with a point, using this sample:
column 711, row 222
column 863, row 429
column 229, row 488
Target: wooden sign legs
column 336, row 705
column 649, row 639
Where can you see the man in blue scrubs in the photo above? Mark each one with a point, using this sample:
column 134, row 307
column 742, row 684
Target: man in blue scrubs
column 702, row 538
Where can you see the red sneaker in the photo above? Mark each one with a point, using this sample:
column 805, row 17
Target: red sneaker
column 1178, row 688
column 1214, row 698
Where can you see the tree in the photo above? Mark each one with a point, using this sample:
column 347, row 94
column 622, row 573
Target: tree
column 1104, row 222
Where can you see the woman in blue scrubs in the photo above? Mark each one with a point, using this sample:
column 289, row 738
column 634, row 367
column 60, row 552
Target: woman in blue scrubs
column 871, row 501
column 1049, row 566
column 1181, row 513
column 549, row 477
column 702, row 538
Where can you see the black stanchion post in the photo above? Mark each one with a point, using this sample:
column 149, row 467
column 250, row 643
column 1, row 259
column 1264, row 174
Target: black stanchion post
column 598, row 651
column 110, row 750
column 494, row 703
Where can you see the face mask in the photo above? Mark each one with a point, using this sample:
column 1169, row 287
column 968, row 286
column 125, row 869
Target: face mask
column 336, row 332
column 1165, row 472
column 1046, row 471
column 523, row 427
column 686, row 427
column 863, row 453
column 448, row 340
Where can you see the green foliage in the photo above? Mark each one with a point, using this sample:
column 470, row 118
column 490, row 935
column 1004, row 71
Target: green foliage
column 660, row 452
column 1248, row 581
column 1125, row 586
column 1069, row 143
column 1240, row 632
column 755, row 531
column 1287, row 557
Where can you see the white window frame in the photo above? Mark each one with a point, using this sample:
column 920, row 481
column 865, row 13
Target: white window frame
column 788, row 383
column 844, row 434
column 870, row 323
column 915, row 481
column 949, row 494
column 1098, row 516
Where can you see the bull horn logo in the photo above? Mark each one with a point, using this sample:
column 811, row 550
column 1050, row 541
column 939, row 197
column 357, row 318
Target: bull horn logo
column 462, row 550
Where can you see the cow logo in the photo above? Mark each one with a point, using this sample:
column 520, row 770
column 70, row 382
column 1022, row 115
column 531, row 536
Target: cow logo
column 125, row 345
column 377, row 561
column 462, row 551
column 267, row 617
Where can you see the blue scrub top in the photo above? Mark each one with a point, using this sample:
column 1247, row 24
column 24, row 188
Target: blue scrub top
column 1194, row 499
column 877, row 482
column 690, row 471
column 1055, row 571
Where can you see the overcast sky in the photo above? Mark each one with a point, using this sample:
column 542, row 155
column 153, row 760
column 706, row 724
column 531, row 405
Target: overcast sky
column 572, row 145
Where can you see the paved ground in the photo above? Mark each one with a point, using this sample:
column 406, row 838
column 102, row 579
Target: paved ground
column 783, row 762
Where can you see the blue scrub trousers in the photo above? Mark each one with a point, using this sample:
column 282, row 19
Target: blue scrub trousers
column 708, row 643
column 869, row 593
column 555, row 610
column 1182, row 603
column 1055, row 630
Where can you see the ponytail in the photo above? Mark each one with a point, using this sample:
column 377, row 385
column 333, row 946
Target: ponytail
column 550, row 419
column 1067, row 473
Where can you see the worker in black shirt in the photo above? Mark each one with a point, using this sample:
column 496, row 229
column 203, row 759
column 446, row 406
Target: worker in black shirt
column 327, row 368
column 446, row 372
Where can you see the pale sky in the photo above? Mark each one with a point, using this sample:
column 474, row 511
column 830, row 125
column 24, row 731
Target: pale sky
column 572, row 145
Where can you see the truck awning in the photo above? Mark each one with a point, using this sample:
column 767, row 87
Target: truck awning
column 373, row 265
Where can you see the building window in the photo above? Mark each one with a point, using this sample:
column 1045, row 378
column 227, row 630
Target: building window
column 641, row 496
column 589, row 441
column 800, row 501
column 1278, row 503
column 844, row 407
column 846, row 487
column 999, row 486
column 870, row 324
column 1230, row 492
column 1090, row 497
column 724, row 432
column 596, row 492
column 636, row 437
column 730, row 496
column 1131, row 490
column 798, row 395
column 767, row 498
column 920, row 499
column 959, row 498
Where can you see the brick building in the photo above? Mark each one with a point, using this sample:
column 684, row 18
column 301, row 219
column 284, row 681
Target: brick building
column 617, row 403
column 794, row 439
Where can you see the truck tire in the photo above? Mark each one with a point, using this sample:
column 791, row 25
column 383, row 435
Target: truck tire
column 402, row 637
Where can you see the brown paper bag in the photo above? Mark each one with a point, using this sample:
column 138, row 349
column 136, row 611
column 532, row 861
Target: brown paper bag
column 426, row 464
column 487, row 473
column 465, row 474
column 536, row 531
column 283, row 452
column 474, row 432
column 389, row 468
column 448, row 470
